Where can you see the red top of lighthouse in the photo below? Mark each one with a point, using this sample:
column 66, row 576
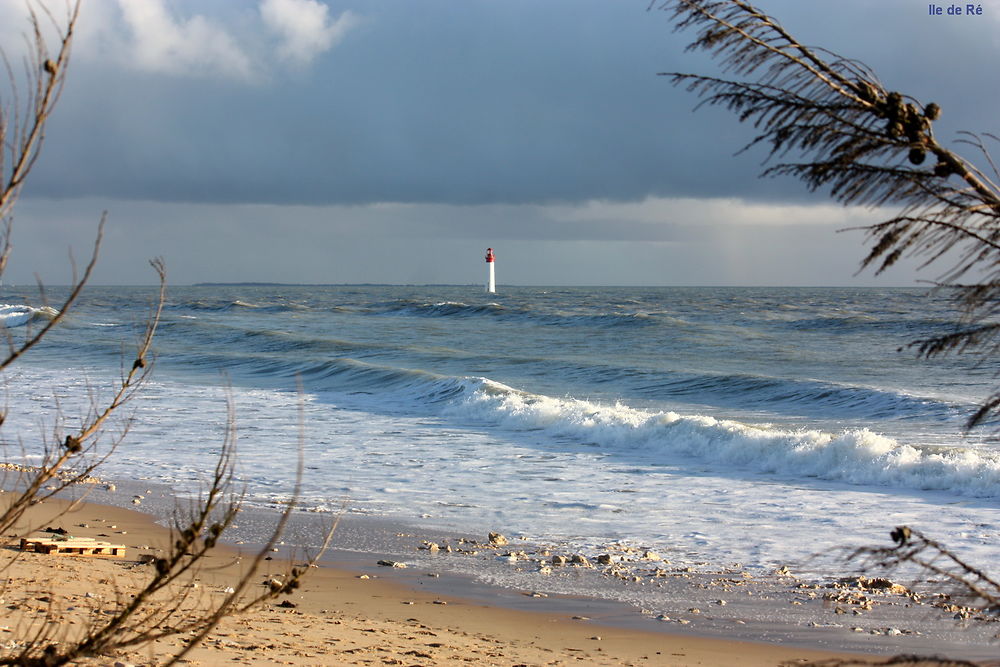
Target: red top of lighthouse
column 489, row 254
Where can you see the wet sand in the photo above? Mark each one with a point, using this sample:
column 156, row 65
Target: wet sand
column 338, row 617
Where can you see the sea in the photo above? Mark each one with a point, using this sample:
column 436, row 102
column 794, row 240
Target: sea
column 758, row 427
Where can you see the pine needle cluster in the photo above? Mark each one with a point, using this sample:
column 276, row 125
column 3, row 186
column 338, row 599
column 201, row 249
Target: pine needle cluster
column 829, row 121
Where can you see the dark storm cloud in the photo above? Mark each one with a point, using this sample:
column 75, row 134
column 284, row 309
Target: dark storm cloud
column 394, row 141
column 727, row 242
column 476, row 102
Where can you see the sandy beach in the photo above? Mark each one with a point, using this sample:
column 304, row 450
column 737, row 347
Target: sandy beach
column 338, row 617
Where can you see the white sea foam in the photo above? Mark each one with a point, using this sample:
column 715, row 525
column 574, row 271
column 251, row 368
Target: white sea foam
column 17, row 315
column 856, row 456
column 566, row 472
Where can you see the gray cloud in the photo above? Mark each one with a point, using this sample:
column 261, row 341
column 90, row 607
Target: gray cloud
column 694, row 243
column 496, row 123
column 477, row 103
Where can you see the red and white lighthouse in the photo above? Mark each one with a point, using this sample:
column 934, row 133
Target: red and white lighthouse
column 491, row 285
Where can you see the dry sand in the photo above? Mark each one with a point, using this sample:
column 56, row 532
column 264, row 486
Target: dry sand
column 338, row 618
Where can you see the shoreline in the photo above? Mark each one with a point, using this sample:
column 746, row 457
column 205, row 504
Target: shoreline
column 391, row 595
column 351, row 617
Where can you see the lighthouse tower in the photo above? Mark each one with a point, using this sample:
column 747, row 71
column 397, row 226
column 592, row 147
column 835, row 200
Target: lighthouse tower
column 491, row 283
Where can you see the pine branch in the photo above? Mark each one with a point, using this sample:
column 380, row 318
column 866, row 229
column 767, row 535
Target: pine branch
column 864, row 145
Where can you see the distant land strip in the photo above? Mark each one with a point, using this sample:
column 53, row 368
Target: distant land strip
column 330, row 285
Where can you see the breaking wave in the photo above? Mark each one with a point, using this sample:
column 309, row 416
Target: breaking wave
column 19, row 315
column 284, row 354
column 855, row 456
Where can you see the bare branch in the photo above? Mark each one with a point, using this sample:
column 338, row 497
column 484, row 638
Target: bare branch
column 164, row 606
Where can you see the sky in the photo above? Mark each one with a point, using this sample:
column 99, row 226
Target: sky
column 392, row 141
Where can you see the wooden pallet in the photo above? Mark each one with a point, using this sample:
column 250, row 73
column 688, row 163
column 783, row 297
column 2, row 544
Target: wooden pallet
column 72, row 546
